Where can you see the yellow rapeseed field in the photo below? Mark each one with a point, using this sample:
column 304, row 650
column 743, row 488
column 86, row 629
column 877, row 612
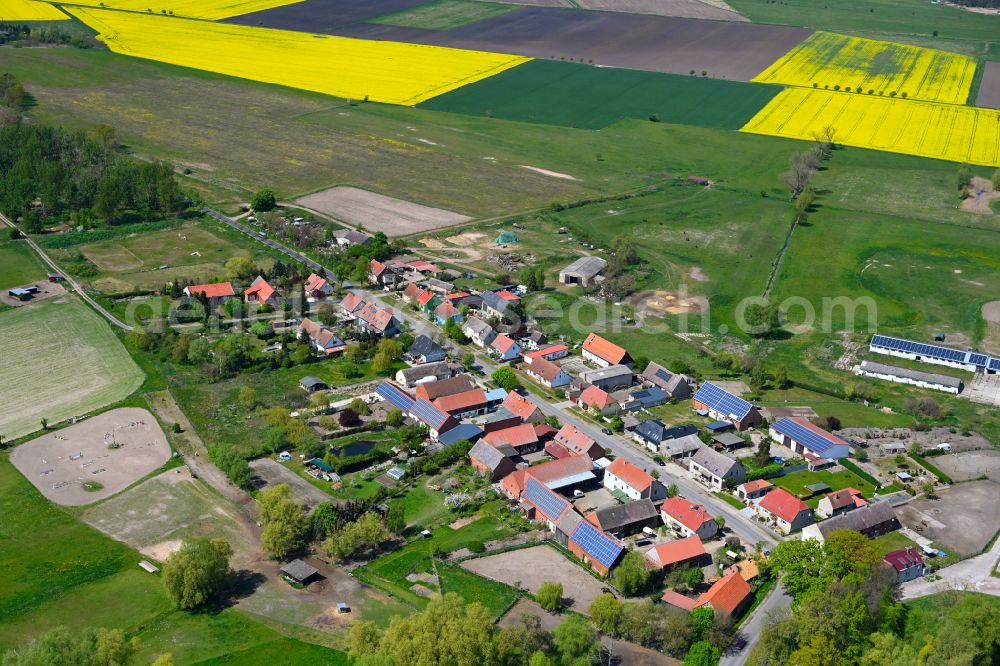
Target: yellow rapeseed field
column 390, row 72
column 928, row 129
column 29, row 10
column 212, row 10
column 828, row 60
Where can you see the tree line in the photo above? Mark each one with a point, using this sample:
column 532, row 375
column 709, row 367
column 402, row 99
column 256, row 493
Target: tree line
column 50, row 175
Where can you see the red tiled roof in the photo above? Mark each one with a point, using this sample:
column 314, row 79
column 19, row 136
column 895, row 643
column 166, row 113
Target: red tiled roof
column 604, row 349
column 425, row 297
column 630, row 474
column 679, row 600
column 726, row 594
column 311, row 327
column 901, row 560
column 546, row 351
column 378, row 318
column 754, row 486
column 351, row 302
column 412, row 291
column 543, row 430
column 460, row 402
column 594, row 396
column 446, row 310
column 459, row 294
column 261, row 289
column 688, row 514
column 519, row 435
column 576, row 441
column 783, row 504
column 557, row 451
column 507, row 296
column 514, row 482
column 681, row 550
column 517, row 404
column 423, row 266
column 214, row 290
column 376, row 267
column 841, row 498
column 502, row 343
column 315, row 282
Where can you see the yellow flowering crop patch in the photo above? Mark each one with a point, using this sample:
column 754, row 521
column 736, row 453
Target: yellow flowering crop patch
column 212, row 10
column 29, row 10
column 928, row 129
column 390, row 72
column 828, row 60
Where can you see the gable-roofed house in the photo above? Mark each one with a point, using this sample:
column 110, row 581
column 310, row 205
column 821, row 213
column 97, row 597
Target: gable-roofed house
column 548, row 352
column 431, row 391
column 411, row 293
column 522, row 437
column 464, row 405
column 547, row 373
column 599, row 400
column 219, row 290
column 725, row 406
column 873, row 521
column 562, row 475
column 425, row 350
column 446, row 312
column 544, row 505
column 436, row 420
column 687, row 518
column 317, row 287
column 840, row 501
column 715, row 469
column 907, row 563
column 350, row 237
column 261, row 292
column 622, row 520
column 689, row 551
column 382, row 275
column 578, row 443
column 421, row 374
column 378, row 320
column 478, row 331
column 323, row 340
column 528, row 411
column 504, row 348
column 604, row 353
column 676, row 386
column 490, row 462
column 632, row 481
column 499, row 304
column 730, row 595
column 804, row 438
column 753, row 489
column 350, row 304
column 787, row 511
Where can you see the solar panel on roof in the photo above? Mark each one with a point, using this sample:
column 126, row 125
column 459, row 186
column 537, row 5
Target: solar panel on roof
column 394, row 396
column 930, row 351
column 547, row 502
column 994, row 364
column 978, row 359
column 808, row 438
column 595, row 543
column 428, row 413
column 722, row 401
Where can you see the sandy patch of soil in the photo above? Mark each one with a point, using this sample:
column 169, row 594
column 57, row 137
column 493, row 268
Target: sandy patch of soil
column 697, row 274
column 114, row 449
column 462, row 522
column 991, row 315
column 466, row 238
column 981, row 196
column 161, row 551
column 431, row 243
column 655, row 303
column 546, row 172
column 695, row 9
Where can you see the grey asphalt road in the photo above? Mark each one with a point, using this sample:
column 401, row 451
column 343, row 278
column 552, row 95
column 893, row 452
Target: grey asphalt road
column 776, row 599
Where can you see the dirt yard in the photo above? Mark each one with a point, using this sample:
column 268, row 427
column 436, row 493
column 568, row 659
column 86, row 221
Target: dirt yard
column 660, row 303
column 963, row 519
column 540, row 564
column 970, row 465
column 269, row 472
column 106, row 453
column 989, row 88
column 684, row 8
column 46, row 291
column 377, row 212
column 991, row 315
column 981, row 197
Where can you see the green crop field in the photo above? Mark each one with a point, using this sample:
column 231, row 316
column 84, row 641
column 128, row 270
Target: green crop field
column 577, row 95
column 60, row 359
column 444, row 14
column 18, row 265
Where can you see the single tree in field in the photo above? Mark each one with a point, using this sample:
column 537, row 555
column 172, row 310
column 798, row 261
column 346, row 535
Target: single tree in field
column 550, row 596
column 263, row 201
column 198, row 573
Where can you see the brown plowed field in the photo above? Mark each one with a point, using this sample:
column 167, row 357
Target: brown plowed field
column 989, row 88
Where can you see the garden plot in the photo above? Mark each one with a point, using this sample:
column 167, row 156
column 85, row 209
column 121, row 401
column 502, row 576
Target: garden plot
column 95, row 458
column 536, row 565
column 377, row 212
column 963, row 519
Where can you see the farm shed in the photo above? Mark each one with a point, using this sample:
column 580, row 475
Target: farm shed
column 929, row 380
column 299, row 571
column 583, row 271
column 312, row 384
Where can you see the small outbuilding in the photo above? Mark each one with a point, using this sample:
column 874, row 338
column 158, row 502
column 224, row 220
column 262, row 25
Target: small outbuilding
column 313, row 384
column 583, row 271
column 299, row 572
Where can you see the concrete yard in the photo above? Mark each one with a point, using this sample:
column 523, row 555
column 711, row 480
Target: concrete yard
column 540, row 564
column 963, row 519
column 969, row 465
column 105, row 453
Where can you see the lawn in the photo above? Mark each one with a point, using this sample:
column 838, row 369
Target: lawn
column 893, row 541
column 18, row 265
column 796, row 482
column 60, row 360
column 496, row 597
column 578, row 95
column 851, row 414
column 444, row 14
column 285, row 651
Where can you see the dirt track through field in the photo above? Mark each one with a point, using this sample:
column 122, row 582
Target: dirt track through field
column 723, row 49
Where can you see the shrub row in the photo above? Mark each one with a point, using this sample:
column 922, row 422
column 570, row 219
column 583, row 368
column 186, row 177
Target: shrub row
column 934, row 470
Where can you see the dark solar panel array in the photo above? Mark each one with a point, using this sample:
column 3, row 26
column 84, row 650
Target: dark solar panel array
column 804, row 436
column 722, row 401
column 544, row 499
column 395, row 396
column 597, row 544
column 428, row 413
column 935, row 351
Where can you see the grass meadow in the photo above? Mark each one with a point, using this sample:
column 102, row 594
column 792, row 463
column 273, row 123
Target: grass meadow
column 60, row 360
column 18, row 265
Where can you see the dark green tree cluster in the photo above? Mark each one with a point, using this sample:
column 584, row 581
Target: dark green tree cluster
column 198, row 573
column 49, row 175
column 90, row 647
column 24, row 34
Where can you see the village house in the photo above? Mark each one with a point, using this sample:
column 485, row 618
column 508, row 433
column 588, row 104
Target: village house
column 261, row 292
column 478, row 331
column 322, row 339
column 752, row 490
column 647, row 398
column 622, row 520
column 317, row 287
column 534, row 340
column 541, row 503
column 687, row 518
column 504, row 348
column 464, row 405
column 432, row 390
column 411, row 293
column 436, row 420
column 489, row 462
column 907, row 563
column 604, row 353
column 723, row 405
column 578, row 443
column 678, row 448
column 216, row 290
column 547, row 374
column 427, row 301
column 594, row 399
column 528, row 411
column 547, row 352
column 350, row 238
column 425, row 350
column 522, row 438
column 787, row 512
column 623, row 478
column 350, row 304
column 427, row 373
column 500, row 304
column 873, row 521
column 840, row 501
column 377, row 320
column 594, row 547
column 446, row 312
column 730, row 595
column 677, row 387
column 715, row 469
column 564, row 475
column 689, row 551
column 611, row 378
column 381, row 275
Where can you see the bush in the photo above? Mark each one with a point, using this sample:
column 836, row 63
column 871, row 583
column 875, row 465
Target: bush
column 550, row 596
column 263, row 201
column 932, row 469
column 477, row 547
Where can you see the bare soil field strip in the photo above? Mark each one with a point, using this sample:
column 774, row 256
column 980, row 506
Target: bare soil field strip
column 970, row 465
column 111, row 450
column 270, row 472
column 963, row 519
column 537, row 3
column 722, row 49
column 684, row 8
column 377, row 212
column 989, row 87
column 324, row 14
column 537, row 565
